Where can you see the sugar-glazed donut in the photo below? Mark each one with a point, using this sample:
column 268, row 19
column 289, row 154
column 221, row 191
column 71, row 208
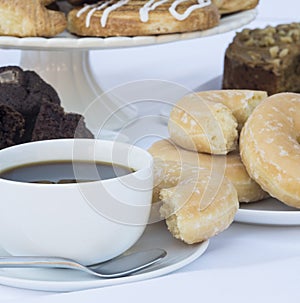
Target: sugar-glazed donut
column 200, row 125
column 241, row 102
column 210, row 121
column 172, row 164
column 270, row 149
column 186, row 216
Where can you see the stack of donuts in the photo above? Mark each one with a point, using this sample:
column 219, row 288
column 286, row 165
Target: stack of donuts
column 200, row 178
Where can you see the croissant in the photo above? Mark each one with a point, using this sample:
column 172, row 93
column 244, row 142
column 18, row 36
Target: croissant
column 30, row 18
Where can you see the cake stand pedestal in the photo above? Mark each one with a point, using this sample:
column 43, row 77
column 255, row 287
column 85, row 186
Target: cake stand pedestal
column 69, row 72
column 63, row 61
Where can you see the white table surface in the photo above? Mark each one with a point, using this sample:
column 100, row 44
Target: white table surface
column 246, row 263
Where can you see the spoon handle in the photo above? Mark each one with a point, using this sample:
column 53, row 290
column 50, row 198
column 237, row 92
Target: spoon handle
column 36, row 262
column 116, row 267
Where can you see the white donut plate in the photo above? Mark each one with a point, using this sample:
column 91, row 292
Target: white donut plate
column 268, row 212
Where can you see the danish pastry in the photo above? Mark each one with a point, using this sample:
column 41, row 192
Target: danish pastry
column 140, row 17
column 29, row 19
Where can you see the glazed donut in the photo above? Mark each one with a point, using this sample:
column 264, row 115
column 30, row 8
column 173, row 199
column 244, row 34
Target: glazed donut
column 187, row 219
column 172, row 164
column 270, row 149
column 199, row 122
column 240, row 101
column 200, row 125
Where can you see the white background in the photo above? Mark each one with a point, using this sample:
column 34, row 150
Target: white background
column 246, row 263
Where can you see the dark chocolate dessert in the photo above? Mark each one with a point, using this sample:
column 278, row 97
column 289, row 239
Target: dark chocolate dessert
column 12, row 126
column 25, row 90
column 53, row 123
column 37, row 104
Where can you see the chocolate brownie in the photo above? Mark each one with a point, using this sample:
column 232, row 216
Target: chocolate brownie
column 37, row 111
column 74, row 126
column 53, row 123
column 36, row 86
column 11, row 75
column 12, row 126
column 24, row 90
column 264, row 59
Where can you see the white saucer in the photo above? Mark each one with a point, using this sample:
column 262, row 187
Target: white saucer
column 268, row 212
column 156, row 235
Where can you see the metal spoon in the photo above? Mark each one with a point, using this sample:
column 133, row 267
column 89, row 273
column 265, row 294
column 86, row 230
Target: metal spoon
column 117, row 267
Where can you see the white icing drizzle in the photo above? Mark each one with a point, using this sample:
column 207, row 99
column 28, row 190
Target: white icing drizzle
column 144, row 11
column 103, row 5
column 149, row 6
column 109, row 9
column 84, row 9
column 180, row 17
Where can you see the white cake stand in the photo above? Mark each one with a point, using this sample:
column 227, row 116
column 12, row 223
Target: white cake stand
column 64, row 62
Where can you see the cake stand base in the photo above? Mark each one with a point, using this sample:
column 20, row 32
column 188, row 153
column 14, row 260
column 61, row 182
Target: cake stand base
column 70, row 74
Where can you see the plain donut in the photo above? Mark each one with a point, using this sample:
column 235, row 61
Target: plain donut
column 270, row 149
column 185, row 217
column 241, row 102
column 172, row 163
column 200, row 125
column 210, row 121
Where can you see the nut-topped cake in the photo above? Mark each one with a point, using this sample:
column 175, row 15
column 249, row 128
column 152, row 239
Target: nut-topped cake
column 264, row 59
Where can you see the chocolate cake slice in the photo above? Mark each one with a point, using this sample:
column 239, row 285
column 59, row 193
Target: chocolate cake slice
column 74, row 124
column 12, row 126
column 37, row 87
column 31, row 108
column 11, row 75
column 264, row 59
column 47, row 123
column 25, row 90
column 53, row 123
column 12, row 86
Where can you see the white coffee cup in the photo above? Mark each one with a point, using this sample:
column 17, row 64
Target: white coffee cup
column 89, row 222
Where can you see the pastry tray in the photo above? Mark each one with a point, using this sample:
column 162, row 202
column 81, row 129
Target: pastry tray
column 69, row 41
